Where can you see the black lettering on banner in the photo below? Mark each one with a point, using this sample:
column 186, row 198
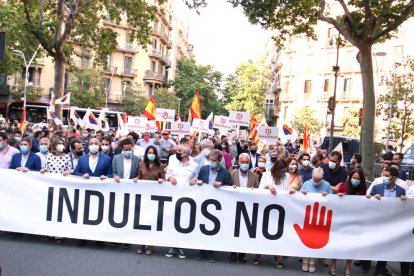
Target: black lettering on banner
column 280, row 223
column 86, row 219
column 177, row 217
column 49, row 210
column 160, row 214
column 250, row 225
column 209, row 216
column 138, row 214
column 73, row 211
column 125, row 213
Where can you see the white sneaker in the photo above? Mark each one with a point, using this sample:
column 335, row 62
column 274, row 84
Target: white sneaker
column 170, row 253
column 181, row 253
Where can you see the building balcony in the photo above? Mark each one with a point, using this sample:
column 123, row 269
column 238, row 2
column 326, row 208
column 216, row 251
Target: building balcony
column 153, row 77
column 127, row 71
column 157, row 31
column 347, row 97
column 128, row 47
column 115, row 99
column 82, row 63
column 154, row 53
column 165, row 60
column 165, row 38
column 274, row 88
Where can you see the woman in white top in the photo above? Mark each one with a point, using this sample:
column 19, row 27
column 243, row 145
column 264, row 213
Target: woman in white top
column 57, row 162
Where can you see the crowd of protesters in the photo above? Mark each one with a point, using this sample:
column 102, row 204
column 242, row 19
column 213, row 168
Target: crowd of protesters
column 211, row 160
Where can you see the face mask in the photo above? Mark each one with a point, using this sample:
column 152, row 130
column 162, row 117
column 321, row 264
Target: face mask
column 79, row 153
column 1, row 145
column 60, row 148
column 127, row 154
column 269, row 166
column 355, row 182
column 206, row 152
column 386, row 180
column 293, row 168
column 114, row 144
column 17, row 138
column 179, row 156
column 261, row 164
column 332, row 165
column 213, row 165
column 44, row 149
column 93, row 135
column 316, row 184
column 146, row 138
column 1, row 125
column 24, row 149
column 151, row 157
column 273, row 159
column 94, row 149
column 253, row 151
column 166, row 137
column 305, row 163
column 105, row 148
column 84, row 135
column 223, row 146
column 233, row 142
column 244, row 167
column 270, row 151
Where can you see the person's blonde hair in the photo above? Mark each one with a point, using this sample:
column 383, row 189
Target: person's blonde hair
column 317, row 173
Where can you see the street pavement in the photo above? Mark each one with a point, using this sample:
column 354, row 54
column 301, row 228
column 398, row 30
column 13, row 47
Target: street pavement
column 32, row 255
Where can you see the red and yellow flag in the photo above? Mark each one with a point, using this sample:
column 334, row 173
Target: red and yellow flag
column 195, row 109
column 151, row 111
column 305, row 139
column 253, row 129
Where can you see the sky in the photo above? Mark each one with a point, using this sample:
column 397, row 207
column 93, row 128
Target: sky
column 222, row 35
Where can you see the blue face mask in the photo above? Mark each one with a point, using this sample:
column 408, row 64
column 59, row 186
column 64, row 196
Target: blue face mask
column 269, row 165
column 244, row 167
column 355, row 182
column 386, row 180
column 24, row 149
column 151, row 157
column 213, row 165
column 127, row 154
column 43, row 149
column 17, row 138
column 1, row 145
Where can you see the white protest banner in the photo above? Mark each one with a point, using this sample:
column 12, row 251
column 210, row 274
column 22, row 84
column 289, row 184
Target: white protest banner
column 136, row 123
column 267, row 133
column 223, row 122
column 149, row 126
column 239, row 118
column 201, row 126
column 165, row 115
column 180, row 128
column 209, row 218
column 242, row 135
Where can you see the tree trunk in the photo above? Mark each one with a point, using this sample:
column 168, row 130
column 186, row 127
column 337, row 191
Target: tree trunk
column 59, row 86
column 368, row 120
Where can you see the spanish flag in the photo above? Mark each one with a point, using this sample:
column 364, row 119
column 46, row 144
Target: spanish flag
column 151, row 111
column 195, row 109
column 253, row 129
column 305, row 139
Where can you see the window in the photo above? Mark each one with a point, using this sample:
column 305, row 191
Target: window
column 154, row 44
column 330, row 61
column 347, row 86
column 107, row 88
column 350, row 59
column 127, row 64
column 287, row 87
column 285, row 112
column 109, row 62
column 126, row 87
column 154, row 67
column 86, row 57
column 327, row 86
column 269, row 107
column 308, row 86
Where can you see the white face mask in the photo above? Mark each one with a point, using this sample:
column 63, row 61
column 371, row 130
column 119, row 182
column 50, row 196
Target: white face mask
column 93, row 149
column 105, row 148
column 305, row 163
column 332, row 165
column 261, row 164
column 60, row 148
column 293, row 168
column 206, row 152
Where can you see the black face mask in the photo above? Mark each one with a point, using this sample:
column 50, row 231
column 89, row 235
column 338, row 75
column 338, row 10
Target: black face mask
column 273, row 159
column 79, row 153
column 253, row 151
column 179, row 156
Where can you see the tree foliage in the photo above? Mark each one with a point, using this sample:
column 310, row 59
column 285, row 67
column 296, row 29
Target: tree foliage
column 351, row 125
column 306, row 117
column 33, row 92
column 134, row 101
column 246, row 88
column 165, row 99
column 402, row 103
column 191, row 77
column 86, row 88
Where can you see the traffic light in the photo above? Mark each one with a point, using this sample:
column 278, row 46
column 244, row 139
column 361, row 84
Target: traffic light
column 2, row 45
column 331, row 103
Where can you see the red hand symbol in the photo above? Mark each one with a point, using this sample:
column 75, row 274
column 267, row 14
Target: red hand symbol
column 315, row 235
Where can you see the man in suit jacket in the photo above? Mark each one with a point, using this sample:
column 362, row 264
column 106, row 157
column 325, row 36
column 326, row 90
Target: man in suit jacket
column 243, row 177
column 25, row 160
column 95, row 163
column 125, row 165
column 203, row 158
column 254, row 156
column 213, row 173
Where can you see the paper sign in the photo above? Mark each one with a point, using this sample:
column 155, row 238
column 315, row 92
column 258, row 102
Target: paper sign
column 149, row 126
column 242, row 135
column 223, row 122
column 165, row 115
column 136, row 123
column 201, row 126
column 268, row 133
column 239, row 118
column 180, row 128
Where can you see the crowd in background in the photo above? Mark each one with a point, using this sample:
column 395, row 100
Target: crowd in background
column 207, row 160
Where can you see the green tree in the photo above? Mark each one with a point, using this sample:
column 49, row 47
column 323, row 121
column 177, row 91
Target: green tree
column 58, row 25
column 306, row 117
column 33, row 92
column 402, row 103
column 246, row 89
column 361, row 22
column 165, row 99
column 133, row 101
column 351, row 125
column 191, row 77
column 86, row 88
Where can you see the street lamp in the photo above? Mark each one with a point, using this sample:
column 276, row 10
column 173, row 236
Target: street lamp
column 332, row 102
column 26, row 77
column 108, row 89
column 179, row 104
column 396, row 64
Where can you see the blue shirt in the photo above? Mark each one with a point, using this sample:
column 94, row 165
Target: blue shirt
column 390, row 193
column 306, row 174
column 310, row 187
column 212, row 177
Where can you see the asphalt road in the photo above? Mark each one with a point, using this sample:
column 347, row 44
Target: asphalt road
column 32, row 255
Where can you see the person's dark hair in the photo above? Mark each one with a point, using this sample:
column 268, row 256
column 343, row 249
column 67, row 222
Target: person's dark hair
column 277, row 168
column 217, row 153
column 18, row 132
column 3, row 136
column 319, row 155
column 107, row 138
column 73, row 142
column 218, row 146
column 183, row 141
column 392, row 170
column 395, row 164
column 100, row 132
column 337, row 154
column 226, row 142
column 126, row 142
column 37, row 134
column 303, row 155
column 26, row 139
column 157, row 159
column 400, row 155
column 134, row 135
column 358, row 157
column 361, row 189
